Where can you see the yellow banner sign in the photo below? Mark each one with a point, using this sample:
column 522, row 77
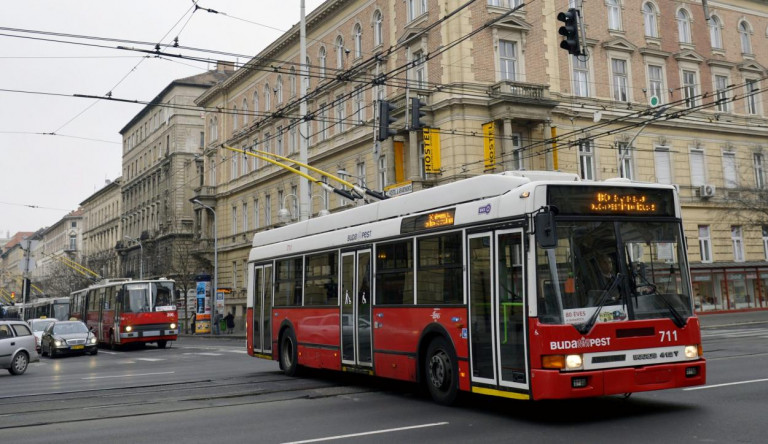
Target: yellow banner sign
column 431, row 138
column 489, row 146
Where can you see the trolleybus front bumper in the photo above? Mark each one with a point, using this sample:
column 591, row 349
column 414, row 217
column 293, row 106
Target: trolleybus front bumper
column 555, row 384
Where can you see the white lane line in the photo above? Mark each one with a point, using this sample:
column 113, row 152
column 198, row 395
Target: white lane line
column 150, row 359
column 373, row 432
column 725, row 385
column 129, row 376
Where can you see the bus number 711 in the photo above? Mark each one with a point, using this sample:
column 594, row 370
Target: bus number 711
column 668, row 336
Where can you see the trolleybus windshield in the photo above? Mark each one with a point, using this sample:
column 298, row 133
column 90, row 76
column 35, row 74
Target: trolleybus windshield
column 144, row 297
column 613, row 271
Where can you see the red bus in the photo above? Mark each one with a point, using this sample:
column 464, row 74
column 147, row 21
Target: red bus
column 525, row 285
column 124, row 311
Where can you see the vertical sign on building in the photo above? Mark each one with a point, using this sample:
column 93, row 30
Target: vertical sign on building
column 489, row 145
column 399, row 161
column 431, row 137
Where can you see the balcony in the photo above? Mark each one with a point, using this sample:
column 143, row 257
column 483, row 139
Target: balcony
column 530, row 101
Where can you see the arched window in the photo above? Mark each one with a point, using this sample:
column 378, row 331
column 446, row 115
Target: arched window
column 683, row 26
column 279, row 90
column 267, row 95
column 357, row 34
column 235, row 118
column 614, row 14
column 339, row 52
column 255, row 104
column 650, row 19
column 306, row 72
column 377, row 28
column 321, row 61
column 245, row 113
column 292, row 81
column 716, row 32
column 744, row 36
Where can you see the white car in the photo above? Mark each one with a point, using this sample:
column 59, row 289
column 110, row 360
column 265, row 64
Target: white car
column 38, row 326
column 17, row 346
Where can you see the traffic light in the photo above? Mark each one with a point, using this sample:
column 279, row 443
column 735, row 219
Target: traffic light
column 385, row 120
column 417, row 113
column 570, row 30
column 13, row 295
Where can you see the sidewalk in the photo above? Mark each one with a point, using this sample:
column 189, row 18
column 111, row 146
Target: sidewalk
column 722, row 319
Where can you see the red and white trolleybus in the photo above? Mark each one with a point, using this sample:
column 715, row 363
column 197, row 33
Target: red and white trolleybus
column 527, row 285
column 124, row 311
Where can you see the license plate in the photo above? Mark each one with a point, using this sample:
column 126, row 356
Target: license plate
column 151, row 333
column 78, row 347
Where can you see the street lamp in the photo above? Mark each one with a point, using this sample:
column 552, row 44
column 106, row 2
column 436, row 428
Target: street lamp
column 285, row 215
column 141, row 255
column 215, row 262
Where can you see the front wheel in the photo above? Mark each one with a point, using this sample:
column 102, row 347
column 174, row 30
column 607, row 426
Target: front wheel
column 442, row 372
column 19, row 364
column 162, row 344
column 288, row 353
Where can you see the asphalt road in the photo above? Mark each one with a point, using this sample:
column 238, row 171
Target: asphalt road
column 208, row 389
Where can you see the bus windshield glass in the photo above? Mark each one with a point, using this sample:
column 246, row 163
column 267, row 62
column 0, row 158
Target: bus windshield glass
column 149, row 296
column 613, row 271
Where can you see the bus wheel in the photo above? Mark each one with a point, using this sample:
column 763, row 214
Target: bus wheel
column 442, row 372
column 288, row 353
column 162, row 344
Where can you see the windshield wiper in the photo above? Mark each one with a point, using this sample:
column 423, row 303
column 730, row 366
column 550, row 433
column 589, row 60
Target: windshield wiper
column 587, row 326
column 677, row 317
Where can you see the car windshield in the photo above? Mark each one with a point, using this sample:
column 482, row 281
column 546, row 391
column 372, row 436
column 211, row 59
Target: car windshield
column 40, row 325
column 609, row 271
column 66, row 328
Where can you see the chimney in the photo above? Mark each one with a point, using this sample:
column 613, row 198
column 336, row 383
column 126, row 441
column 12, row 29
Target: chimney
column 224, row 66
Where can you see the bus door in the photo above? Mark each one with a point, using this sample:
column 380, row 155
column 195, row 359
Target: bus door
column 497, row 308
column 356, row 308
column 262, row 309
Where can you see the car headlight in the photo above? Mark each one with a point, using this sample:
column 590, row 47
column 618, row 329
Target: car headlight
column 58, row 342
column 173, row 325
column 93, row 340
column 128, row 328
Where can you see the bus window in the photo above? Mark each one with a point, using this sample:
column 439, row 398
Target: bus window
column 439, row 272
column 321, row 279
column 136, row 298
column 394, row 273
column 288, row 282
column 163, row 296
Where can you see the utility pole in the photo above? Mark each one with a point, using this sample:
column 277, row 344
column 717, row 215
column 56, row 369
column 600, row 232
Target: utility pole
column 305, row 199
column 27, row 264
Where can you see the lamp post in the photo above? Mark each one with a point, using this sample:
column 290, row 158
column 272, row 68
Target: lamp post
column 141, row 255
column 215, row 262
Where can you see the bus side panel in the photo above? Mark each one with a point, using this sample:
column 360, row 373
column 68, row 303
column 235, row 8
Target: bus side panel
column 317, row 334
column 107, row 324
column 397, row 332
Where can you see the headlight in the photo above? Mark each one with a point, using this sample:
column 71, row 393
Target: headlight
column 93, row 340
column 173, row 326
column 58, row 342
column 128, row 328
column 573, row 362
column 691, row 351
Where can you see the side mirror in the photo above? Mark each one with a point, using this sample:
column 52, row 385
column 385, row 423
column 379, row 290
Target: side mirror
column 546, row 229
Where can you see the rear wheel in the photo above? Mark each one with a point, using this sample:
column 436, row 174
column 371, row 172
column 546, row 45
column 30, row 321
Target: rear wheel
column 19, row 364
column 442, row 371
column 288, row 353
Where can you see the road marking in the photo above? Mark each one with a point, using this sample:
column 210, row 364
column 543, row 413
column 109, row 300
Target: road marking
column 725, row 385
column 150, row 359
column 129, row 376
column 373, row 432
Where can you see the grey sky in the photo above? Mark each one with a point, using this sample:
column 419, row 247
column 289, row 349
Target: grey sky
column 57, row 172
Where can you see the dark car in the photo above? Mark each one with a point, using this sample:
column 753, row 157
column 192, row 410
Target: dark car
column 17, row 346
column 63, row 337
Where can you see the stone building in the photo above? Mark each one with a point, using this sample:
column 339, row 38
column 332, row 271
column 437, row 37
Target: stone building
column 664, row 94
column 101, row 231
column 59, row 247
column 160, row 147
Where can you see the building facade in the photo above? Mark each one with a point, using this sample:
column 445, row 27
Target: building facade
column 102, row 230
column 663, row 94
column 161, row 145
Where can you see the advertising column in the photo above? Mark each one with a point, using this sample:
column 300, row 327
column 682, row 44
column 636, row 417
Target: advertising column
column 203, row 312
